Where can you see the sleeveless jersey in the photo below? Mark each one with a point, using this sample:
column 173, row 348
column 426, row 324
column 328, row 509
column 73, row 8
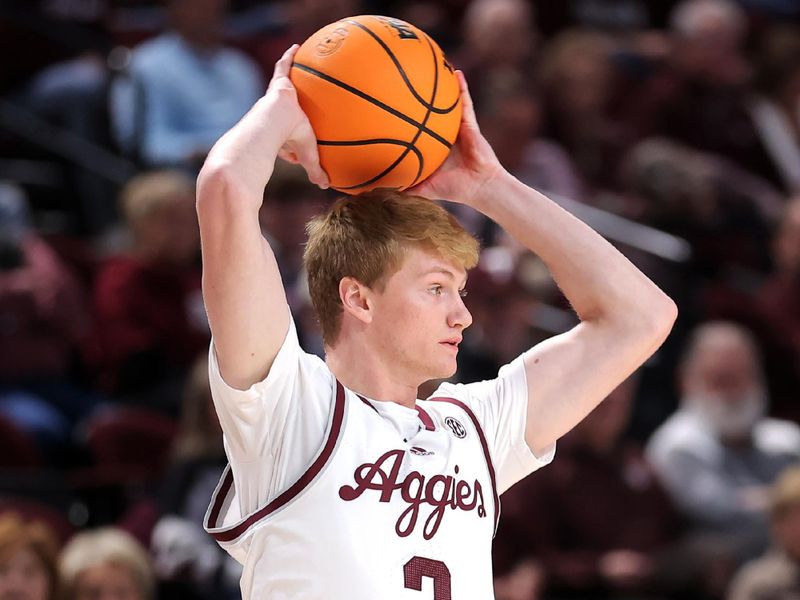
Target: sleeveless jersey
column 375, row 516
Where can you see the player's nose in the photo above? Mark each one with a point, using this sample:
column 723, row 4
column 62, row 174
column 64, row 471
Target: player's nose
column 460, row 315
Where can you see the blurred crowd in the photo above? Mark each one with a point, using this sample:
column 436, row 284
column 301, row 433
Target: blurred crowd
column 671, row 126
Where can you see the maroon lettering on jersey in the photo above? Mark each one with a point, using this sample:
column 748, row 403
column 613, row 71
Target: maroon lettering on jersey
column 439, row 491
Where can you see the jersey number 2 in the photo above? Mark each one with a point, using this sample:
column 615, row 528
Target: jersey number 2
column 418, row 567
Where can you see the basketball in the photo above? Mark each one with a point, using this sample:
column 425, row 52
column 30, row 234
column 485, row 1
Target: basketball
column 382, row 99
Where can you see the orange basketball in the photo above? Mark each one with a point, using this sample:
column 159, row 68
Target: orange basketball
column 382, row 99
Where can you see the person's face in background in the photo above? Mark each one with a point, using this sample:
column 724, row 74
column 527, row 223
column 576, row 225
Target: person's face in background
column 23, row 576
column 722, row 382
column 169, row 235
column 578, row 78
column 711, row 50
column 500, row 33
column 584, row 86
column 199, row 22
column 514, row 120
column 107, row 581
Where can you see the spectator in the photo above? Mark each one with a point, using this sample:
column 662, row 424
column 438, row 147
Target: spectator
column 43, row 305
column 290, row 201
column 709, row 39
column 502, row 308
column 43, row 320
column 775, row 114
column 499, row 41
column 612, row 549
column 106, row 563
column 198, row 453
column 499, row 36
column 704, row 95
column 184, row 88
column 778, row 300
column 148, row 307
column 28, row 556
column 181, row 549
column 578, row 82
column 299, row 19
column 510, row 117
column 724, row 212
column 776, row 576
column 719, row 453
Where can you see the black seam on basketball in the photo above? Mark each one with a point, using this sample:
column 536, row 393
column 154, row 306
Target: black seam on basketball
column 371, row 100
column 392, row 141
column 420, row 99
column 428, row 114
column 408, row 146
column 411, row 146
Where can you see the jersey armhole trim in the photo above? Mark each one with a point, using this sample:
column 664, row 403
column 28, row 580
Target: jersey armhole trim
column 232, row 533
column 487, row 455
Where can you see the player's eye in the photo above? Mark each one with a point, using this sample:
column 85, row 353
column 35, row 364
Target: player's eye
column 463, row 293
column 436, row 290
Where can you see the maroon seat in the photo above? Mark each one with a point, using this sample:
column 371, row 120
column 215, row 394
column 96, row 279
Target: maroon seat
column 136, row 441
column 17, row 448
column 30, row 509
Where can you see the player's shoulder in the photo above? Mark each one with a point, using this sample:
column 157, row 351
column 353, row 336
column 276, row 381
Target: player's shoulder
column 451, row 399
column 514, row 372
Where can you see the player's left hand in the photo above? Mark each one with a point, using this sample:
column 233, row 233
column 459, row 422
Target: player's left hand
column 470, row 165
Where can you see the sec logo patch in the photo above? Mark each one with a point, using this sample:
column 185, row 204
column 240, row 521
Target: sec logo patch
column 456, row 427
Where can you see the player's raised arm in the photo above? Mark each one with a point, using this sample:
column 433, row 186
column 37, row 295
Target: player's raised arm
column 242, row 287
column 624, row 316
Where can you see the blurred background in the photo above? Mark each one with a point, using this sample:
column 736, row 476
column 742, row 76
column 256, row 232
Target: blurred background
column 673, row 128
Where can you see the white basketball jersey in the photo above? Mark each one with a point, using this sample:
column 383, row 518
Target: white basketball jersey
column 375, row 516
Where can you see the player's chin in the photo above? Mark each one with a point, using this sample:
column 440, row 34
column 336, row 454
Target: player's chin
column 445, row 369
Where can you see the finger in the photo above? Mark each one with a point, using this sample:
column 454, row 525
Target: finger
column 284, row 63
column 308, row 155
column 288, row 156
column 467, row 108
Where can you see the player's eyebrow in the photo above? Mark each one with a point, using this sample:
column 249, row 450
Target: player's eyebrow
column 443, row 271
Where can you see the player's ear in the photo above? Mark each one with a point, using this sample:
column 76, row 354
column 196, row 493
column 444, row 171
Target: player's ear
column 354, row 296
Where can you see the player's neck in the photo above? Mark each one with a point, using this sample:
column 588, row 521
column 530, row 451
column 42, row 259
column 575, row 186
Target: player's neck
column 366, row 373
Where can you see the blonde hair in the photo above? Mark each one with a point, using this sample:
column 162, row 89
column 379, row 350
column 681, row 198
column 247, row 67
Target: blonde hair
column 149, row 192
column 106, row 545
column 16, row 534
column 366, row 236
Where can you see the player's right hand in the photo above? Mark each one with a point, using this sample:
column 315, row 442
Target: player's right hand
column 300, row 145
column 469, row 166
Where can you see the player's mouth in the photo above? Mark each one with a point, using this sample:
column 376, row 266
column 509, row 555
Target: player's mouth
column 451, row 343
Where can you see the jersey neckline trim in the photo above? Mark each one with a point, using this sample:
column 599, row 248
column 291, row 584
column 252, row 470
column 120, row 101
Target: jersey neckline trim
column 424, row 417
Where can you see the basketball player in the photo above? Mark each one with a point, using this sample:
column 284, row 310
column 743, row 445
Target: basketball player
column 342, row 484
